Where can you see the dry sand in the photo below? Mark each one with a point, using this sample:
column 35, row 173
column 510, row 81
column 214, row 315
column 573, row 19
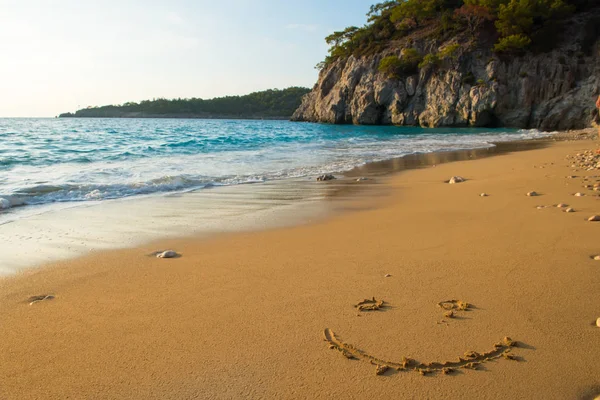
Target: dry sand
column 243, row 315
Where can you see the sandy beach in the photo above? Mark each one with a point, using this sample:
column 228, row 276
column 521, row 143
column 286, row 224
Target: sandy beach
column 245, row 315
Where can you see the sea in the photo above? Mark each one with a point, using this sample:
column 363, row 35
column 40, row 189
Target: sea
column 68, row 186
column 78, row 160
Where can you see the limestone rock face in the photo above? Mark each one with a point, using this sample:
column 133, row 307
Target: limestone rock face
column 548, row 91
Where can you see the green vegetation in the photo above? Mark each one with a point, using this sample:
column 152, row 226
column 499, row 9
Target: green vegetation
column 390, row 66
column 432, row 60
column 513, row 43
column 435, row 60
column 266, row 104
column 518, row 25
column 449, row 52
column 407, row 64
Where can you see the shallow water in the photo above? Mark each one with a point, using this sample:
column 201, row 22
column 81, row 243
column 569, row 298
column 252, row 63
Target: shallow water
column 72, row 186
column 45, row 161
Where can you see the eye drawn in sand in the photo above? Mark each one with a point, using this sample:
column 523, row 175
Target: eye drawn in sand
column 470, row 360
column 36, row 299
column 370, row 305
column 452, row 307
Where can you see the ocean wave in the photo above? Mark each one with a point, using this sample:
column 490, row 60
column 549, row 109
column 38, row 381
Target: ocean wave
column 83, row 160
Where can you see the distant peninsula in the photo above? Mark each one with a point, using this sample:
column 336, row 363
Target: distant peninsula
column 267, row 104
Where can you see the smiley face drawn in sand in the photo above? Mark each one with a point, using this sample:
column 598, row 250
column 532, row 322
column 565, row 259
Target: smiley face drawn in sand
column 469, row 360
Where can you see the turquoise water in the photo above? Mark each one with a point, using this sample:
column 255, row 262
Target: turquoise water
column 76, row 160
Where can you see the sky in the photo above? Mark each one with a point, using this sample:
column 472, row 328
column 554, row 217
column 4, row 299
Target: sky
column 61, row 55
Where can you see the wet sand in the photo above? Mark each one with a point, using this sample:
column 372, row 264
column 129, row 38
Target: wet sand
column 254, row 314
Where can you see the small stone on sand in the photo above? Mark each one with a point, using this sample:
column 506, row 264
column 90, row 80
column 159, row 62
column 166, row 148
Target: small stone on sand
column 569, row 210
column 167, row 254
column 594, row 218
column 597, row 258
column 562, row 205
column 388, row 275
column 532, row 194
column 598, row 322
column 326, row 177
column 483, row 195
column 456, row 179
column 579, row 194
column 362, row 178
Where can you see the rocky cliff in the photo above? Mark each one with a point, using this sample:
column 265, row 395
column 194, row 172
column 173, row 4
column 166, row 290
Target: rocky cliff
column 555, row 90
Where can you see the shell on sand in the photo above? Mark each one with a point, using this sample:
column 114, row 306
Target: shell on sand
column 456, row 179
column 34, row 299
column 579, row 194
column 532, row 194
column 167, row 254
column 594, row 218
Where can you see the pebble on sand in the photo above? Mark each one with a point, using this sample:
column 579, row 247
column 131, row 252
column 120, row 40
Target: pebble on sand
column 579, row 194
column 326, row 177
column 388, row 275
column 562, row 205
column 456, row 179
column 167, row 254
column 569, row 210
column 597, row 258
column 532, row 194
column 598, row 322
column 483, row 195
column 594, row 218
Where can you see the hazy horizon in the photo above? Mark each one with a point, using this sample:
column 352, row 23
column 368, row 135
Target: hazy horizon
column 68, row 55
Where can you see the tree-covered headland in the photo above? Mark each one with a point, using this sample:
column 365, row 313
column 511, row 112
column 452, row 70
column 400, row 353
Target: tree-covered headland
column 508, row 27
column 266, row 104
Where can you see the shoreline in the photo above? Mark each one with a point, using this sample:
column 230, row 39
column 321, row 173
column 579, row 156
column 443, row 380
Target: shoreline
column 295, row 201
column 243, row 314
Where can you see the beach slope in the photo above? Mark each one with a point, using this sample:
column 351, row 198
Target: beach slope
column 244, row 315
